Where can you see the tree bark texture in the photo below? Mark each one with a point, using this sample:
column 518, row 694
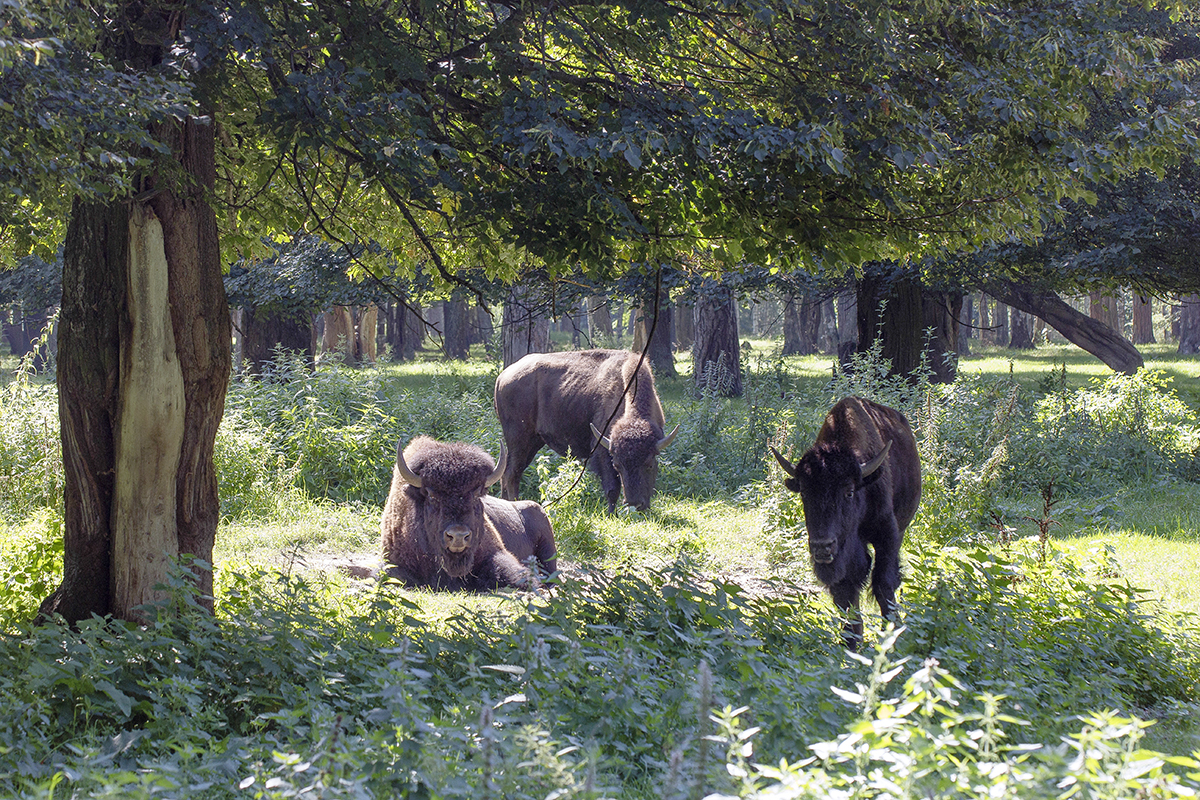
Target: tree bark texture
column 716, row 353
column 1143, row 320
column 1092, row 335
column 1105, row 308
column 104, row 336
column 1189, row 325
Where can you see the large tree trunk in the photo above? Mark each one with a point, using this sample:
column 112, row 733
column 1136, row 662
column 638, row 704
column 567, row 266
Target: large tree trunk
column 1143, row 320
column 1189, row 325
column 1105, row 308
column 366, row 330
column 716, row 354
column 524, row 329
column 144, row 359
column 261, row 332
column 901, row 326
column 1092, row 335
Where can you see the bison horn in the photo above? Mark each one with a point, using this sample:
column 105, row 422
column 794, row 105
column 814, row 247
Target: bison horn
column 604, row 440
column 665, row 442
column 876, row 462
column 783, row 462
column 410, row 477
column 498, row 472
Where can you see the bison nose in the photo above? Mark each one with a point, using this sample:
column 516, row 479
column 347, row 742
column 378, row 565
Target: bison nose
column 822, row 550
column 458, row 538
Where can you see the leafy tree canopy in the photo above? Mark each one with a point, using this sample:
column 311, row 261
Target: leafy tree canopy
column 509, row 136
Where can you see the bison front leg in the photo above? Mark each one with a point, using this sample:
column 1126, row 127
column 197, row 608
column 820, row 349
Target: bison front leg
column 520, row 455
column 610, row 482
column 885, row 579
column 845, row 597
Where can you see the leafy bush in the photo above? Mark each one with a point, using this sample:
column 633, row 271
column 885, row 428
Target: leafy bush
column 641, row 684
column 31, row 565
column 31, row 470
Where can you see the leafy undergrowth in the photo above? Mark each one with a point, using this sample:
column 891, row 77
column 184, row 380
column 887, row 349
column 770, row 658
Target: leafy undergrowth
column 638, row 684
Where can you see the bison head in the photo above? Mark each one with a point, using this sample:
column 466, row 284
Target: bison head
column 830, row 480
column 634, row 444
column 447, row 482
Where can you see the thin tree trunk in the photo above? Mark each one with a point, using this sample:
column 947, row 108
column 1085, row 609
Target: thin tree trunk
column 366, row 331
column 1022, row 331
column 939, row 312
column 685, row 327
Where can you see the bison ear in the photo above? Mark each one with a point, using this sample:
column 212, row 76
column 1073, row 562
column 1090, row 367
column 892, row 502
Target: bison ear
column 604, row 440
column 872, row 466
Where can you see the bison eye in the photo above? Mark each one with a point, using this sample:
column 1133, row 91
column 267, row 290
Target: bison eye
column 850, row 493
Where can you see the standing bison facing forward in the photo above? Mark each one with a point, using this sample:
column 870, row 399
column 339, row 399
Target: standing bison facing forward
column 860, row 484
column 565, row 400
column 441, row 530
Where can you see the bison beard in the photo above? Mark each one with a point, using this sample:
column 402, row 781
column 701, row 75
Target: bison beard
column 565, row 401
column 860, row 484
column 440, row 530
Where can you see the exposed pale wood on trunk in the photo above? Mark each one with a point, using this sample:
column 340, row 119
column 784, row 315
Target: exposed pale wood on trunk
column 150, row 427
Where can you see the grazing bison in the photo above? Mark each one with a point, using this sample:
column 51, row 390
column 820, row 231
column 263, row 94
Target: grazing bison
column 565, row 401
column 441, row 530
column 860, row 484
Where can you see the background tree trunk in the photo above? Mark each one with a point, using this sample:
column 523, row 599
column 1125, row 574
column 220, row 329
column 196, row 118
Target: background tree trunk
column 524, row 329
column 1022, row 331
column 901, row 326
column 1189, row 325
column 96, row 327
column 366, row 331
column 716, row 354
column 685, row 327
column 338, row 336
column 1143, row 320
column 457, row 329
column 1090, row 334
column 659, row 350
column 939, row 312
column 262, row 331
column 801, row 324
column 600, row 325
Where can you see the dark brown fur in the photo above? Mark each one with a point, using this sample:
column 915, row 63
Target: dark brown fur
column 552, row 399
column 845, row 512
column 453, row 496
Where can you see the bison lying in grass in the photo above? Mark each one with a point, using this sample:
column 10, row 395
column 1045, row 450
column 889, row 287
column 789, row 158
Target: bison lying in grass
column 441, row 530
column 860, row 484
